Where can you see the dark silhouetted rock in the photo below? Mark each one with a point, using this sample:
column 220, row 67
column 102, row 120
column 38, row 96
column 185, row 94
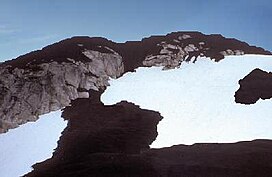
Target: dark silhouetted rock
column 108, row 138
column 113, row 141
column 256, row 85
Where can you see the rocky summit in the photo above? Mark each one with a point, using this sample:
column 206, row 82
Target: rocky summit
column 49, row 79
column 114, row 140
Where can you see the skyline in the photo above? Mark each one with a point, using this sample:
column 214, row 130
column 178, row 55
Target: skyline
column 31, row 25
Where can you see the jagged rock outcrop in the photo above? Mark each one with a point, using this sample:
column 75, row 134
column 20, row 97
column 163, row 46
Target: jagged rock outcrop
column 231, row 52
column 48, row 79
column 179, row 47
column 42, row 88
column 256, row 85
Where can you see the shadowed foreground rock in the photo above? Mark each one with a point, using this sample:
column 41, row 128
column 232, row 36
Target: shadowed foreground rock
column 102, row 141
column 113, row 141
column 243, row 159
column 256, row 85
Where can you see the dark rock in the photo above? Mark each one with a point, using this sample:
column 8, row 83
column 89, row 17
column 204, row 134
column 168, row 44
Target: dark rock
column 243, row 159
column 256, row 85
column 113, row 141
column 108, row 139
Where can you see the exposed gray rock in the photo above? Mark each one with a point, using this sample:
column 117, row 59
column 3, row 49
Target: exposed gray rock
column 184, row 36
column 170, row 56
column 232, row 52
column 27, row 93
column 190, row 48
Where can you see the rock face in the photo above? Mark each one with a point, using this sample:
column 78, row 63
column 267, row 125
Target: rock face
column 42, row 88
column 256, row 85
column 106, row 134
column 179, row 47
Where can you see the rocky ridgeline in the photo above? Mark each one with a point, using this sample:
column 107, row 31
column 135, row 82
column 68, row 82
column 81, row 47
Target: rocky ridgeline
column 49, row 79
column 172, row 54
column 42, row 88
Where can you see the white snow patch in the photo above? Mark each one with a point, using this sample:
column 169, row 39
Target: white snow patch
column 30, row 143
column 197, row 100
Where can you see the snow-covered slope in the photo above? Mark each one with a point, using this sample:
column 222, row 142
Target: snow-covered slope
column 28, row 144
column 197, row 100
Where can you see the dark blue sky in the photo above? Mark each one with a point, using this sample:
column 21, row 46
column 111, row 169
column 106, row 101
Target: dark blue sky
column 32, row 24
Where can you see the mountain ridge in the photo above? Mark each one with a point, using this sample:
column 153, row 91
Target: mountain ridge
column 92, row 43
column 84, row 63
column 72, row 74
